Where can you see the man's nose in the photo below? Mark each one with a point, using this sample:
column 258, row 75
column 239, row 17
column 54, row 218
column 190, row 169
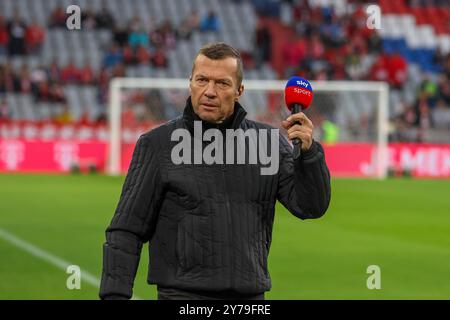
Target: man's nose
column 210, row 91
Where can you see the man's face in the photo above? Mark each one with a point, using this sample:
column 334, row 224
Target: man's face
column 214, row 88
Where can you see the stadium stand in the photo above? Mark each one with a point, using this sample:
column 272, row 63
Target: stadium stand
column 50, row 75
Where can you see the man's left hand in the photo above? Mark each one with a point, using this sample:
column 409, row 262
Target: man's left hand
column 299, row 126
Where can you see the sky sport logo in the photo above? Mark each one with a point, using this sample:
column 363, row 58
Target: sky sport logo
column 302, row 83
column 302, row 91
column 241, row 147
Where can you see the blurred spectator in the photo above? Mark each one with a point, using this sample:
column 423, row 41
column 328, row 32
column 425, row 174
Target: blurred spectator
column 293, row 54
column 103, row 82
column 374, row 43
column 398, row 69
column 156, row 37
column 359, row 44
column 128, row 117
column 267, row 8
column 357, row 22
column 330, row 132
column 101, row 119
column 316, row 47
column 58, row 17
column 16, row 30
column 159, row 58
column 262, row 44
column 84, row 117
column 302, row 17
column 247, row 59
column 423, row 119
column 54, row 71
column 168, row 34
column 444, row 89
column 286, row 13
column 321, row 74
column 379, row 70
column 184, row 30
column 7, row 78
column 337, row 67
column 39, row 82
column 331, row 31
column 104, row 19
column 120, row 35
column 4, row 36
column 142, row 55
column 112, row 57
column 38, row 77
column 429, row 91
column 441, row 115
column 86, row 74
column 154, row 108
column 118, row 70
column 446, row 66
column 65, row 116
column 88, row 19
column 189, row 25
column 24, row 80
column 193, row 20
column 3, row 88
column 410, row 116
column 5, row 113
column 210, row 22
column 39, row 74
column 70, row 73
column 354, row 67
column 138, row 36
column 128, row 55
column 34, row 37
column 56, row 93
column 42, row 92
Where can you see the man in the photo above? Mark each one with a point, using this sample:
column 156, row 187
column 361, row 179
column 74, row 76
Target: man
column 209, row 226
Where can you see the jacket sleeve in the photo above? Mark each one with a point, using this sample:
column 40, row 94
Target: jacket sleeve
column 133, row 223
column 304, row 184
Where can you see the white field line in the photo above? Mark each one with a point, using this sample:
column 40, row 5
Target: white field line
column 50, row 258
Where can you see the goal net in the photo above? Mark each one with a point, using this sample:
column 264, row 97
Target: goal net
column 350, row 118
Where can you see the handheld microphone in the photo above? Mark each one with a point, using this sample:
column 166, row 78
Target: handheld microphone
column 298, row 95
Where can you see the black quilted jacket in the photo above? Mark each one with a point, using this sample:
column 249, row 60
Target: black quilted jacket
column 209, row 227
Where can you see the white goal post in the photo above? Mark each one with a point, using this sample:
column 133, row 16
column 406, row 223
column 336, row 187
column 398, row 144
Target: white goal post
column 118, row 84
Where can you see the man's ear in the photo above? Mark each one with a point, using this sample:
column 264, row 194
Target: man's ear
column 190, row 83
column 240, row 91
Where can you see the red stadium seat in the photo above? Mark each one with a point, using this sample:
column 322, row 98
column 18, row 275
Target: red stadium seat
column 386, row 6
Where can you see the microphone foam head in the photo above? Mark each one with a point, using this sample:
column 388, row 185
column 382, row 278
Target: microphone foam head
column 298, row 91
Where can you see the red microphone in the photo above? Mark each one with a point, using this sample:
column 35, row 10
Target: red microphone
column 298, row 95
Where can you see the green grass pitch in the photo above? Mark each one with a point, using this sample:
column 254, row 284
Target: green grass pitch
column 401, row 225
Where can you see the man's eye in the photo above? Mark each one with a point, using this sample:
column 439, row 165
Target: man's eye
column 202, row 80
column 223, row 84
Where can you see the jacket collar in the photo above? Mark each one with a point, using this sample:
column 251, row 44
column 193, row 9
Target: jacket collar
column 232, row 122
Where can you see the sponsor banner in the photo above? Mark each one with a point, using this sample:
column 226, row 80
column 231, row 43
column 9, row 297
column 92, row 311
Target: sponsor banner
column 359, row 159
column 50, row 156
column 423, row 160
column 51, row 130
column 343, row 159
column 350, row 159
